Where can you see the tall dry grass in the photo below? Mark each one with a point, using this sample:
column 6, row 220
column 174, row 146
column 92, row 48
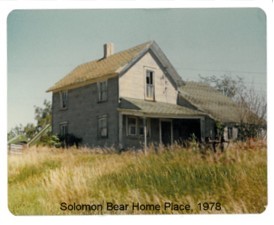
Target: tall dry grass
column 42, row 178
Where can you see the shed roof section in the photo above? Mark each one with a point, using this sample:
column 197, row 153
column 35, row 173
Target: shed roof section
column 156, row 109
column 211, row 101
column 113, row 65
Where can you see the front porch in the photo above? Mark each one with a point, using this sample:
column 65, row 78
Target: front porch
column 140, row 132
column 143, row 123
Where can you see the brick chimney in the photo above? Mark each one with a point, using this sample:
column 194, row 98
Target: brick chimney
column 108, row 49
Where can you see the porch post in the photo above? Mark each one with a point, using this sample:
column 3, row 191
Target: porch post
column 171, row 132
column 120, row 130
column 145, row 134
column 160, row 132
column 202, row 128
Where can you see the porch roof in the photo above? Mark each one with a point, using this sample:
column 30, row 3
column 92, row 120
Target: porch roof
column 156, row 109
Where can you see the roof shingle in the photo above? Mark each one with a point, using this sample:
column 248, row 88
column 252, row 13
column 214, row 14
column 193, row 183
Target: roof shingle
column 211, row 101
column 157, row 108
column 100, row 68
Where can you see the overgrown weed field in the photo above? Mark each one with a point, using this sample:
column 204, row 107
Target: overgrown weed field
column 41, row 179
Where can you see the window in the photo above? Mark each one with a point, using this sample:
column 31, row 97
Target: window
column 135, row 126
column 63, row 129
column 232, row 133
column 132, row 126
column 64, row 99
column 149, row 84
column 229, row 132
column 102, row 126
column 102, row 91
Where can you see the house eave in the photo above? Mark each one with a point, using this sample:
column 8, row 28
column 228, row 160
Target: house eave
column 122, row 70
column 82, row 84
column 158, row 115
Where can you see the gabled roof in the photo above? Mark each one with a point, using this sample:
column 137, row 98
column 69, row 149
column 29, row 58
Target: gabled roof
column 156, row 109
column 211, row 101
column 113, row 65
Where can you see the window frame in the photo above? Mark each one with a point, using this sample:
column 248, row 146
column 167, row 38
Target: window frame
column 229, row 133
column 102, row 92
column 141, row 125
column 61, row 129
column 129, row 126
column 63, row 100
column 149, row 84
column 100, row 127
column 138, row 125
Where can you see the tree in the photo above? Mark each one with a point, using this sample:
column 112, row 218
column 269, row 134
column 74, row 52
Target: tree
column 15, row 131
column 43, row 115
column 30, row 130
column 229, row 86
column 252, row 106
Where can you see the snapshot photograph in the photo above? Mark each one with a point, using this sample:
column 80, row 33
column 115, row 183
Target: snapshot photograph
column 137, row 111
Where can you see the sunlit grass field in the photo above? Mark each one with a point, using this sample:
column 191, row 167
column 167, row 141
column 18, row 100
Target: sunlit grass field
column 41, row 178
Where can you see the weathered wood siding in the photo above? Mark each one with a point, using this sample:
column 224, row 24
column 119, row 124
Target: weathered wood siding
column 83, row 111
column 132, row 83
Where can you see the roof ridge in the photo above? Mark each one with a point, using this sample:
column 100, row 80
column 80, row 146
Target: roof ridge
column 114, row 54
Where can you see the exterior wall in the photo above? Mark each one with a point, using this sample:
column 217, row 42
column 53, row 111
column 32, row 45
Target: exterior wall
column 132, row 83
column 83, row 111
column 210, row 130
column 181, row 101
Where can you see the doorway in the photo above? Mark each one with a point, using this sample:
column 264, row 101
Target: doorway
column 184, row 130
column 166, row 132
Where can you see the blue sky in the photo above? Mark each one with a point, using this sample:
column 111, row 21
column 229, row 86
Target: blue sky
column 44, row 45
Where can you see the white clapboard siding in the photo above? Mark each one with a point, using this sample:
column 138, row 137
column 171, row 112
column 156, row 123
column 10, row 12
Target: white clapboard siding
column 132, row 83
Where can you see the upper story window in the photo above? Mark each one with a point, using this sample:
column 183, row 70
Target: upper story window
column 102, row 87
column 149, row 85
column 63, row 99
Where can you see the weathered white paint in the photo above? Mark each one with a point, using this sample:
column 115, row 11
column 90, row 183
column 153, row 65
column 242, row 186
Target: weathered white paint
column 132, row 83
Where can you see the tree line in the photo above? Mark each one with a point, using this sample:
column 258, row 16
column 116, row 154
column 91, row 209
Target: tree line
column 42, row 116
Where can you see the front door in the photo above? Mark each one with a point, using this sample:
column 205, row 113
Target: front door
column 166, row 132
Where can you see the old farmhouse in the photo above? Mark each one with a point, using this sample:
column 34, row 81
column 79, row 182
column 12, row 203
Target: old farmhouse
column 135, row 97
